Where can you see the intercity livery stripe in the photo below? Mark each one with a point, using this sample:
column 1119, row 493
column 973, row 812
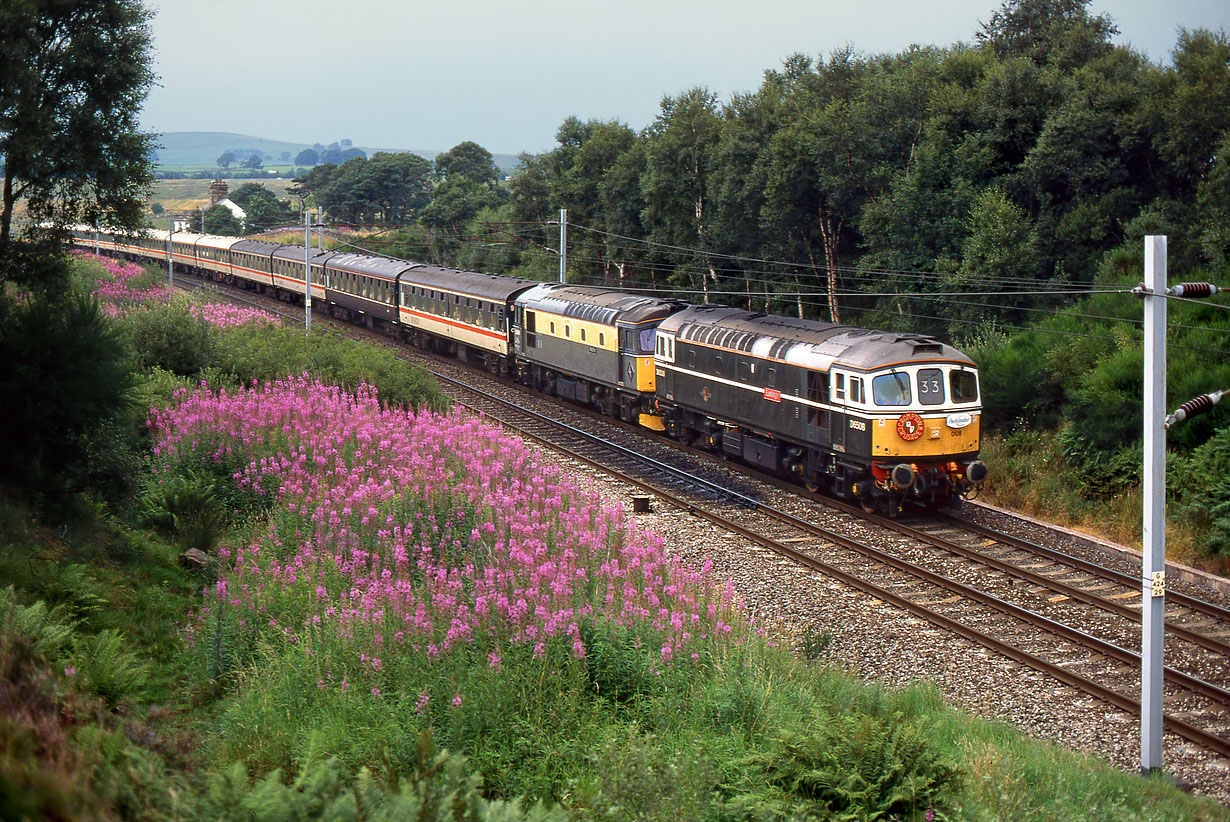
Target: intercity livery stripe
column 408, row 312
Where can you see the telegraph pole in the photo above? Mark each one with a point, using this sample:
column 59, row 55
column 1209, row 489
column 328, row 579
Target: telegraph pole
column 1153, row 544
column 307, row 270
column 1153, row 555
column 170, row 250
column 563, row 242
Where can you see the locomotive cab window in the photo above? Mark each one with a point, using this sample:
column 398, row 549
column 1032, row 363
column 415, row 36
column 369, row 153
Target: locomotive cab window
column 839, row 388
column 963, row 385
column 856, row 389
column 645, row 341
column 891, row 389
column 930, row 386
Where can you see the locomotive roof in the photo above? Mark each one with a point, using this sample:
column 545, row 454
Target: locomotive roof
column 484, row 286
column 383, row 267
column 808, row 343
column 596, row 304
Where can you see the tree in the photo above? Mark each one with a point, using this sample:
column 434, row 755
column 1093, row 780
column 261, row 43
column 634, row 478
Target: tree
column 307, row 157
column 218, row 220
column 226, row 158
column 466, row 176
column 467, row 161
column 253, row 162
column 263, row 208
column 73, row 76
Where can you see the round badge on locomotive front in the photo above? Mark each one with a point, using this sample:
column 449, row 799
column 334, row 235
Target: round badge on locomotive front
column 909, row 426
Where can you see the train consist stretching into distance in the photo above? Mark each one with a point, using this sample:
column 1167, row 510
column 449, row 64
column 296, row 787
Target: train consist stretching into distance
column 877, row 417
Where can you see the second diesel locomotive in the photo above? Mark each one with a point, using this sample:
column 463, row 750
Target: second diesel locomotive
column 877, row 417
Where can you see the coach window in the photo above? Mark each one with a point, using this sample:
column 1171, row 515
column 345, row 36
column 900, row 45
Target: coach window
column 717, row 366
column 582, row 335
column 601, row 339
column 771, row 377
column 745, row 371
column 691, row 358
column 930, row 386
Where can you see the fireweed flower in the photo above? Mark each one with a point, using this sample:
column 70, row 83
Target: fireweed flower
column 372, row 542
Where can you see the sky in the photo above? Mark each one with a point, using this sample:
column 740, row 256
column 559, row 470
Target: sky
column 408, row 74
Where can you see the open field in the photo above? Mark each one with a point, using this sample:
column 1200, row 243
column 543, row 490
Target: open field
column 184, row 195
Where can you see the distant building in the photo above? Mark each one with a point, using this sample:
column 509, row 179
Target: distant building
column 217, row 196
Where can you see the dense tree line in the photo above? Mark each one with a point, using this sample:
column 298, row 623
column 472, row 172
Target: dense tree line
column 964, row 191
column 859, row 188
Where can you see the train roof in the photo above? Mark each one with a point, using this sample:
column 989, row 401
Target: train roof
column 217, row 241
column 808, row 343
column 256, row 247
column 295, row 253
column 380, row 267
column 484, row 286
column 597, row 304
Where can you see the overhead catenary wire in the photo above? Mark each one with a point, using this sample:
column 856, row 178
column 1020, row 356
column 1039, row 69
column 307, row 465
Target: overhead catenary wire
column 767, row 282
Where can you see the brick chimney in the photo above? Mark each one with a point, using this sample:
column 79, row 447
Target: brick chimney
column 217, row 192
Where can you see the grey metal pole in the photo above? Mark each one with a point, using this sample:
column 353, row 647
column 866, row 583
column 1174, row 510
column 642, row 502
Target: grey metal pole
column 563, row 242
column 307, row 270
column 170, row 252
column 1153, row 566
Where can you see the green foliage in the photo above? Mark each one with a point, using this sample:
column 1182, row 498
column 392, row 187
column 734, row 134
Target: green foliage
column 64, row 374
column 70, row 99
column 440, row 790
column 858, row 767
column 197, row 507
column 168, row 337
column 106, row 668
column 1204, row 491
column 619, row 663
column 641, row 778
column 1016, row 381
column 47, row 632
column 263, row 353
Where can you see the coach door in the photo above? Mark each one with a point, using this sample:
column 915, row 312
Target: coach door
column 839, row 417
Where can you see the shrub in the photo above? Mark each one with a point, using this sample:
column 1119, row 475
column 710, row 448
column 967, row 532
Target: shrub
column 64, row 376
column 171, row 338
column 858, row 766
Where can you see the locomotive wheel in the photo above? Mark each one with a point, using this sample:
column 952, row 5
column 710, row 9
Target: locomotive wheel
column 812, row 484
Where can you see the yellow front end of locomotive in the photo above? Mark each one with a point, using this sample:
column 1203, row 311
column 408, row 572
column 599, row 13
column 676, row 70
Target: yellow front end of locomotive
column 645, row 379
column 940, row 436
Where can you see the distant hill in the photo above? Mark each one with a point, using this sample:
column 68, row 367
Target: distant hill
column 203, row 148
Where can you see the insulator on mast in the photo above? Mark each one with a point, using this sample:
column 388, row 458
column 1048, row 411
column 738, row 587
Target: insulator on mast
column 1193, row 290
column 1191, row 408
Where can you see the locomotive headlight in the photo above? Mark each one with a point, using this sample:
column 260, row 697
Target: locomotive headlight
column 959, row 420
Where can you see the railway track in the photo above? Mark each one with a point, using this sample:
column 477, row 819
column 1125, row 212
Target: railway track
column 1071, row 619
